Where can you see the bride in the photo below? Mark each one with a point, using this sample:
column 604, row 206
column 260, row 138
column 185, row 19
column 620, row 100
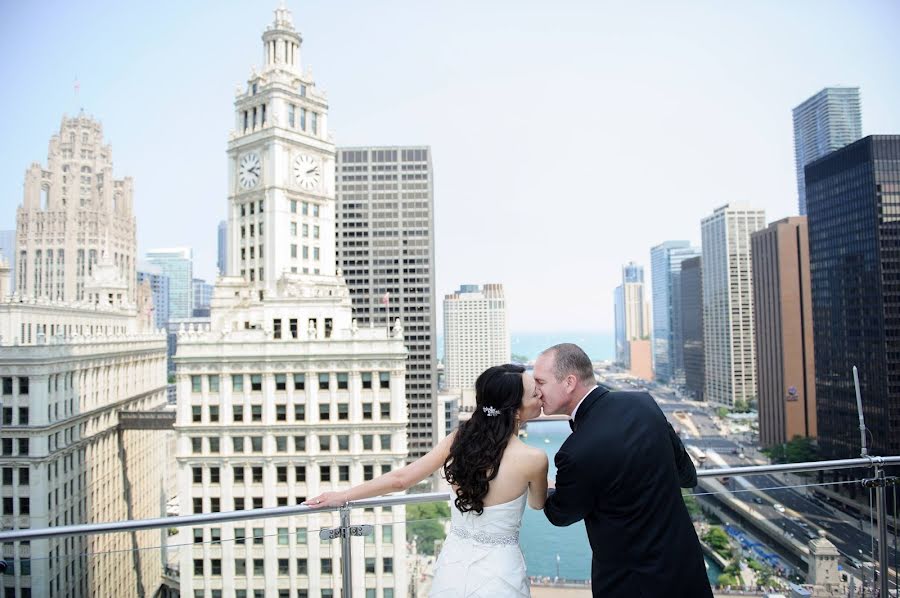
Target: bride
column 492, row 474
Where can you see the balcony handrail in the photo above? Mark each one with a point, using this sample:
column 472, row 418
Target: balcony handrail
column 383, row 501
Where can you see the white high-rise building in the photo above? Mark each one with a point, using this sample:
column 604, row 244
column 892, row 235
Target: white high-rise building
column 728, row 330
column 73, row 212
column 476, row 334
column 385, row 246
column 75, row 378
column 632, row 311
column 282, row 395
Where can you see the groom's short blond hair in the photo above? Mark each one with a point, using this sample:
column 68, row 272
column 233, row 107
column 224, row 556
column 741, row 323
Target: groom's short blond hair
column 569, row 358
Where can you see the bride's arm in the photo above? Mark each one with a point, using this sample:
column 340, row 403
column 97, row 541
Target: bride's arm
column 393, row 481
column 537, row 484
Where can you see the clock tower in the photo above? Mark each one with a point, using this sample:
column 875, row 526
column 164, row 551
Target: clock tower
column 281, row 207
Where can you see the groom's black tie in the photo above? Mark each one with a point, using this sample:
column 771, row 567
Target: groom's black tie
column 572, row 424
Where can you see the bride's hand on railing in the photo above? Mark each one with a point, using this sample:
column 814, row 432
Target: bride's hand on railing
column 327, row 499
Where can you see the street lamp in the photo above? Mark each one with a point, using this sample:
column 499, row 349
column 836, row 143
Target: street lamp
column 557, row 566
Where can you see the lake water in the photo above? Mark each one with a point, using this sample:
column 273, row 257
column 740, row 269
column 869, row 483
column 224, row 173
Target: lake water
column 541, row 542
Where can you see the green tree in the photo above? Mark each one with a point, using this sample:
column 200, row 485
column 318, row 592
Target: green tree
column 797, row 450
column 717, row 538
column 691, row 503
column 518, row 358
column 727, row 579
column 425, row 522
column 721, row 412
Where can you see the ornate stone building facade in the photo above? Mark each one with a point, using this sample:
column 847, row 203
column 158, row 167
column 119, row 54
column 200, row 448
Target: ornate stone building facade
column 73, row 212
column 282, row 395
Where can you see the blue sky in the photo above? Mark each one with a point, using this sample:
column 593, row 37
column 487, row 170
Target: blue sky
column 568, row 137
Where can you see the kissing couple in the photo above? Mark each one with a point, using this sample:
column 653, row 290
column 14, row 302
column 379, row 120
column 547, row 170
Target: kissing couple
column 620, row 471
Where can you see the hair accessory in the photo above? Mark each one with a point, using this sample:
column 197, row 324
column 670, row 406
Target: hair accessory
column 491, row 412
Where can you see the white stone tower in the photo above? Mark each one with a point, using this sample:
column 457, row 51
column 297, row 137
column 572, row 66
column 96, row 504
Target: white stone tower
column 73, row 211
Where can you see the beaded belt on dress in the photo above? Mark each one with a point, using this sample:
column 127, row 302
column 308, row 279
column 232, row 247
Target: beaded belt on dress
column 485, row 538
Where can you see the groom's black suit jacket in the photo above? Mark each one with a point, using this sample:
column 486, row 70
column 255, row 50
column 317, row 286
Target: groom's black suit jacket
column 622, row 471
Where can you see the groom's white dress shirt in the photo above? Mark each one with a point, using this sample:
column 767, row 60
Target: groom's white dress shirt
column 574, row 411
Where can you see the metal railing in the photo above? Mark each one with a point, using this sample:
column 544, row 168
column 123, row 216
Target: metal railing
column 879, row 482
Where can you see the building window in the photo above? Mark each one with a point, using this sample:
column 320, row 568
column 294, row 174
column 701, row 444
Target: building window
column 299, row 381
column 323, row 381
column 213, row 413
column 343, row 411
column 196, row 383
column 326, row 567
column 238, row 411
column 388, row 565
column 300, row 476
column 367, row 410
column 280, row 379
column 367, row 442
column 196, row 411
column 384, row 380
column 299, row 413
column 239, row 474
column 343, row 442
column 281, row 444
column 366, row 380
column 300, row 443
column 385, row 411
column 213, row 383
column 281, row 413
column 256, row 443
column 301, row 563
column 385, row 442
column 368, row 472
column 343, row 473
column 238, row 443
column 256, row 413
column 324, row 412
column 256, row 382
column 324, row 443
column 237, row 382
column 342, row 379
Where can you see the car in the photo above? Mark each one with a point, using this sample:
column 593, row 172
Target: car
column 757, row 500
column 778, row 507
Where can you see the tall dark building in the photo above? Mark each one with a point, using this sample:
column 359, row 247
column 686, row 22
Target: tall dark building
column 385, row 246
column 853, row 208
column 692, row 326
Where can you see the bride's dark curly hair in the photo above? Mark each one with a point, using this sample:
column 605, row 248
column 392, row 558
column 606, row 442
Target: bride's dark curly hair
column 479, row 444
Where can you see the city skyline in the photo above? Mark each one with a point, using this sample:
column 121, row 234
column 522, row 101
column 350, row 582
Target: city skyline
column 155, row 68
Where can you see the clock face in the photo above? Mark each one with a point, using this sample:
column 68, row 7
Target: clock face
column 248, row 173
column 307, row 172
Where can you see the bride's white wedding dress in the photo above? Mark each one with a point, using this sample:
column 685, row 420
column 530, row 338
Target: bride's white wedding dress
column 481, row 555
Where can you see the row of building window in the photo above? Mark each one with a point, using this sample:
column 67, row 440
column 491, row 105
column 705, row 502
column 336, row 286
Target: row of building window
column 284, row 536
column 7, row 385
column 254, row 444
column 383, row 379
column 282, row 593
column 239, row 412
column 257, row 566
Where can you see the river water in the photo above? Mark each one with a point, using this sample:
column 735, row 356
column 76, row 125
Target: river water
column 546, row 546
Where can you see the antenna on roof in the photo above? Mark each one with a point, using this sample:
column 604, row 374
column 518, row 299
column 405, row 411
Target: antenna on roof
column 862, row 424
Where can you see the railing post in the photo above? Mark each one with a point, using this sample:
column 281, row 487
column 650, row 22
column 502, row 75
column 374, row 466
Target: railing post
column 881, row 501
column 345, row 552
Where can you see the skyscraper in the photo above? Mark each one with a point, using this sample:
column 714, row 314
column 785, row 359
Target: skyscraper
column 385, row 247
column 728, row 339
column 8, row 251
column 73, row 213
column 283, row 395
column 665, row 269
column 692, row 327
column 631, row 310
column 823, row 123
column 159, row 289
column 202, row 297
column 476, row 334
column 782, row 311
column 853, row 210
column 222, row 247
column 177, row 264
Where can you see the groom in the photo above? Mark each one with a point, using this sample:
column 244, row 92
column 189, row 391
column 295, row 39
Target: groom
column 621, row 470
